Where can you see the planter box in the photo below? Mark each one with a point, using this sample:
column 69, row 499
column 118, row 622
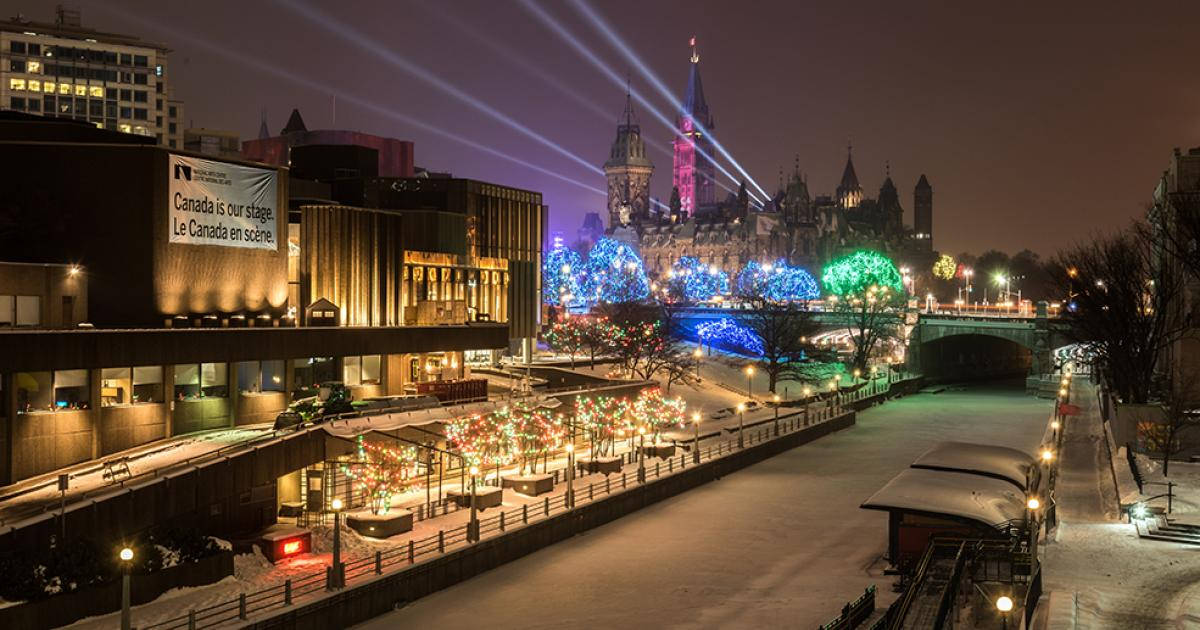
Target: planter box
column 381, row 525
column 485, row 497
column 604, row 465
column 61, row 610
column 531, row 485
column 663, row 451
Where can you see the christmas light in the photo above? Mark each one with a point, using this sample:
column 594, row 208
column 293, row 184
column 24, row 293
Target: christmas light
column 562, row 269
column 381, row 471
column 695, row 281
column 945, row 268
column 861, row 274
column 777, row 281
column 650, row 410
column 614, row 274
column 730, row 335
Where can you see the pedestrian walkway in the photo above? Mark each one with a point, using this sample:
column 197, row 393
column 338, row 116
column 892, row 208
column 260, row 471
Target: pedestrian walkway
column 1096, row 572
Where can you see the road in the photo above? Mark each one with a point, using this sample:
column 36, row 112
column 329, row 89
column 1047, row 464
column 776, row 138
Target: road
column 780, row 544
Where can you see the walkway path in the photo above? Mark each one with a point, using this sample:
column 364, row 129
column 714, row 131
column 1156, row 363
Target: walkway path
column 780, row 544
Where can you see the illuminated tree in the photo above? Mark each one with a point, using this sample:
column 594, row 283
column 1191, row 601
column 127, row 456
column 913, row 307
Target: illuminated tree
column 693, row 281
column 561, row 270
column 381, row 471
column 866, row 288
column 784, row 331
column 534, row 432
column 567, row 337
column 656, row 413
column 945, row 268
column 615, row 274
column 483, row 440
column 777, row 281
column 603, row 419
column 728, row 334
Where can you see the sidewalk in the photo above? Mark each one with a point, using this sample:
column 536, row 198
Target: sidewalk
column 1097, row 573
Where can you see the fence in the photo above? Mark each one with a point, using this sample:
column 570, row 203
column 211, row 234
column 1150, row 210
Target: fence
column 360, row 570
column 1133, row 466
column 854, row 613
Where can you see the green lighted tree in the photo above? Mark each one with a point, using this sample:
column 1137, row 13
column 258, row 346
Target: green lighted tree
column 867, row 288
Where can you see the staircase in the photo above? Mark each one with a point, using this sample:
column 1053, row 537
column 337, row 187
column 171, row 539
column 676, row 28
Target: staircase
column 1165, row 529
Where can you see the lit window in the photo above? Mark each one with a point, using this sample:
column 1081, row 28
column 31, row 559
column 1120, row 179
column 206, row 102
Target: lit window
column 35, row 85
column 64, row 88
column 125, row 128
column 33, row 67
column 16, row 84
column 96, row 91
column 49, row 87
column 80, row 90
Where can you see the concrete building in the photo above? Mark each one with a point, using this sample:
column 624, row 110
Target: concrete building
column 217, row 296
column 394, row 157
column 115, row 82
column 214, row 142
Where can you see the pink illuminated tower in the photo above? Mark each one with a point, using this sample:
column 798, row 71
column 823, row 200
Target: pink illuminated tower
column 694, row 173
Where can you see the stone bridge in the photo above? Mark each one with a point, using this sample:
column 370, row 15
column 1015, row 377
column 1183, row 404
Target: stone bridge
column 943, row 345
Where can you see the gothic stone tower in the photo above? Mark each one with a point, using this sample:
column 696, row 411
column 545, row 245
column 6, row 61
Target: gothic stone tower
column 695, row 174
column 923, row 212
column 849, row 192
column 628, row 171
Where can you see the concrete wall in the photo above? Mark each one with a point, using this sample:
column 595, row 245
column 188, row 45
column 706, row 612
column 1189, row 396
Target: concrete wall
column 51, row 283
column 200, row 414
column 258, row 407
column 126, row 426
column 48, row 440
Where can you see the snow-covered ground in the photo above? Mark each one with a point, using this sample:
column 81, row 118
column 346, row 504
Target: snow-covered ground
column 90, row 476
column 1097, row 573
column 780, row 544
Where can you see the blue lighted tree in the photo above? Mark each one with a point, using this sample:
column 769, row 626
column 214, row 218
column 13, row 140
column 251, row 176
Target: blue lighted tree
column 614, row 274
column 777, row 281
column 562, row 268
column 694, row 281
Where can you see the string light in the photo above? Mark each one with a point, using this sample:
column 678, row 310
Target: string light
column 696, row 282
column 777, row 281
column 381, row 471
column 862, row 274
column 562, row 268
column 730, row 335
column 614, row 273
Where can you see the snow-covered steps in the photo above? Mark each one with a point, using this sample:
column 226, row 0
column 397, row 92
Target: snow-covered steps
column 1159, row 528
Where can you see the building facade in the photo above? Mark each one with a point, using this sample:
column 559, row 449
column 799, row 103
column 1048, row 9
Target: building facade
column 394, row 157
column 115, row 82
column 214, row 142
column 628, row 172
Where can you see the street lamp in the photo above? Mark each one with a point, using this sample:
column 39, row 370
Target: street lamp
column 807, row 402
column 697, row 354
column 642, row 454
column 741, row 409
column 749, row 374
column 1047, row 455
column 1005, row 605
column 775, row 399
column 336, row 579
column 473, row 525
column 696, row 439
column 570, row 475
column 857, row 373
column 126, row 556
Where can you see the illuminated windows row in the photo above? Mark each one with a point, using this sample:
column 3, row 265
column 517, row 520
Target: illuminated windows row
column 50, row 87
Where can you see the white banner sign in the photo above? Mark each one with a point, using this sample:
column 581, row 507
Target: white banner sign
column 217, row 203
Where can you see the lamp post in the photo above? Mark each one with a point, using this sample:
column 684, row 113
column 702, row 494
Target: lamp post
column 641, row 454
column 749, row 385
column 696, row 439
column 775, row 399
column 473, row 524
column 1031, row 516
column 570, row 475
column 697, row 354
column 741, row 409
column 336, row 579
column 126, row 556
column 857, row 373
column 807, row 402
column 1005, row 605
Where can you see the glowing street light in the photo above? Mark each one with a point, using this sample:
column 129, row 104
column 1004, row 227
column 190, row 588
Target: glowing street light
column 1047, row 455
column 749, row 383
column 1005, row 605
column 696, row 439
column 697, row 354
column 336, row 577
column 126, row 556
column 775, row 399
column 741, row 409
column 1033, row 503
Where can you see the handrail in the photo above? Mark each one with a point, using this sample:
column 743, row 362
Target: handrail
column 418, row 550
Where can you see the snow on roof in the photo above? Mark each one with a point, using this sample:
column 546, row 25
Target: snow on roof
column 351, row 427
column 973, row 497
column 980, row 459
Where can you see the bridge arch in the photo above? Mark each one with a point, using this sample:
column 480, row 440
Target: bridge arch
column 956, row 349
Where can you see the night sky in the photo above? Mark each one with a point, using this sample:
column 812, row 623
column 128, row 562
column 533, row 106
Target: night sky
column 1032, row 124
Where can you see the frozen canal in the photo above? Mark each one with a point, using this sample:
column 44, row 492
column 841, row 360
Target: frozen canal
column 780, row 544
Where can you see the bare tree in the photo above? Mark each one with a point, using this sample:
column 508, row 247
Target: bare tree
column 1180, row 416
column 1126, row 305
column 871, row 319
column 786, row 330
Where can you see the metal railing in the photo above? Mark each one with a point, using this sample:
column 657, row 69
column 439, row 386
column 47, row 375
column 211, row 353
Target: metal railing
column 360, row 569
column 853, row 613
